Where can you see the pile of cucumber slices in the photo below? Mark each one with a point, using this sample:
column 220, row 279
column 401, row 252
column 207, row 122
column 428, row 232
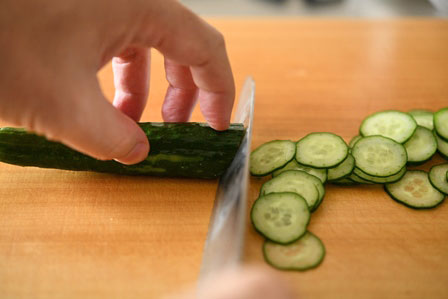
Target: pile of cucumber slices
column 388, row 142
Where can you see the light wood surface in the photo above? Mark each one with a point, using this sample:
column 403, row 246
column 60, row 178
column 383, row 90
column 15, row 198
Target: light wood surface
column 70, row 235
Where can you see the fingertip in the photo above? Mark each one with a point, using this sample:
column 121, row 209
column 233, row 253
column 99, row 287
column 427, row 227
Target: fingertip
column 137, row 154
column 219, row 126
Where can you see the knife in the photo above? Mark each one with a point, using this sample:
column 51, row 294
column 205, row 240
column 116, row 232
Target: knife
column 225, row 238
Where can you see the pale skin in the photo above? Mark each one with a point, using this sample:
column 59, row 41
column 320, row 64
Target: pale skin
column 50, row 53
column 50, row 59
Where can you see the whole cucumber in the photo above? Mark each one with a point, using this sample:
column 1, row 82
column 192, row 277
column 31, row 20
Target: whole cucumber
column 192, row 150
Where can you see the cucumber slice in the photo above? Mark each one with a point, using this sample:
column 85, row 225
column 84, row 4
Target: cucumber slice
column 354, row 177
column 271, row 156
column 354, row 140
column 296, row 181
column 306, row 253
column 345, row 182
column 280, row 217
column 321, row 189
column 321, row 150
column 342, row 170
column 438, row 177
column 380, row 180
column 422, row 146
column 320, row 173
column 442, row 146
column 441, row 123
column 423, row 118
column 379, row 156
column 414, row 190
column 396, row 125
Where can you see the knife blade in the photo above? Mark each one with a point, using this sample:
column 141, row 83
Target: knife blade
column 225, row 238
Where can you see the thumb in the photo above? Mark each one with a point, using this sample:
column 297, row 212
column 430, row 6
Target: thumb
column 87, row 122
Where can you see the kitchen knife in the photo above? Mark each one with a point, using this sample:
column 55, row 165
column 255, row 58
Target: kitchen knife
column 225, row 238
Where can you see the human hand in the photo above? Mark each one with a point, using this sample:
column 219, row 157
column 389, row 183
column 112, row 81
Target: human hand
column 242, row 283
column 51, row 50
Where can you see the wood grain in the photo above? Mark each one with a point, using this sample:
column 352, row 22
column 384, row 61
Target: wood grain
column 69, row 235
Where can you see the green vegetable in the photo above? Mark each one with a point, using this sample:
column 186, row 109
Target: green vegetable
column 304, row 254
column 271, row 156
column 415, row 191
column 281, row 217
column 191, row 150
column 396, row 125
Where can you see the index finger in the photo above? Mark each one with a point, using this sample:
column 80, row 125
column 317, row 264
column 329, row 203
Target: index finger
column 182, row 36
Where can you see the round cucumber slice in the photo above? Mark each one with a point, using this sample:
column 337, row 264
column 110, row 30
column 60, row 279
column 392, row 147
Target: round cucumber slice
column 422, row 145
column 415, row 190
column 423, row 118
column 396, row 125
column 380, row 180
column 345, row 182
column 320, row 173
column 354, row 140
column 296, row 181
column 438, row 177
column 271, row 156
column 342, row 170
column 280, row 217
column 441, row 123
column 379, row 156
column 305, row 253
column 321, row 150
column 442, row 146
column 357, row 179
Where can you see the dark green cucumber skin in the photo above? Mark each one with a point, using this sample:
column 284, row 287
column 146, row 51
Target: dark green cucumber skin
column 190, row 150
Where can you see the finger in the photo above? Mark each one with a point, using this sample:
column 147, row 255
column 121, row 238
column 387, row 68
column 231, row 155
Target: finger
column 181, row 94
column 186, row 39
column 245, row 283
column 131, row 80
column 87, row 122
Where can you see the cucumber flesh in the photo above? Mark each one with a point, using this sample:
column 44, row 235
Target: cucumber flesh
column 422, row 145
column 438, row 177
column 305, row 253
column 380, row 180
column 296, row 181
column 396, row 125
column 320, row 189
column 321, row 150
column 293, row 165
column 271, row 156
column 355, row 178
column 442, row 146
column 441, row 123
column 415, row 190
column 354, row 140
column 379, row 156
column 342, row 170
column 345, row 182
column 423, row 118
column 280, row 217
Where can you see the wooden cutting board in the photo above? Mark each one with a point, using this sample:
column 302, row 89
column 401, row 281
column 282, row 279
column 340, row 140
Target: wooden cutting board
column 70, row 235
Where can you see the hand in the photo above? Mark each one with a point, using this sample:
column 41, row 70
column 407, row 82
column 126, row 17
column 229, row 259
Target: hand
column 51, row 50
column 245, row 283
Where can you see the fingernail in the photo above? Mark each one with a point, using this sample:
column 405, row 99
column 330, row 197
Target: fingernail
column 220, row 126
column 135, row 155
